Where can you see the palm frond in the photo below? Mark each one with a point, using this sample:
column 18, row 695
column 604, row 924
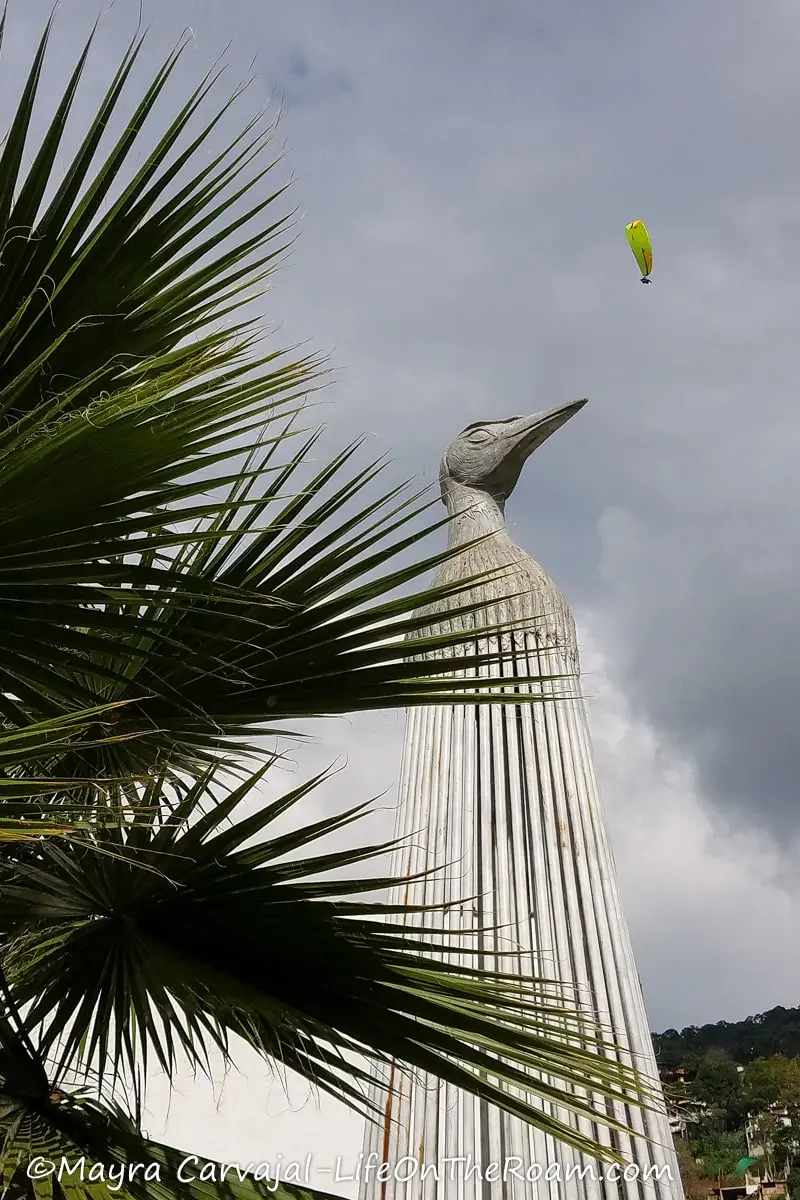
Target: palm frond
column 147, row 555
column 37, row 802
column 62, row 1143
column 106, row 274
column 150, row 951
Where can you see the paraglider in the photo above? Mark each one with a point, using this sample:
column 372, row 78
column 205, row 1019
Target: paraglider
column 639, row 241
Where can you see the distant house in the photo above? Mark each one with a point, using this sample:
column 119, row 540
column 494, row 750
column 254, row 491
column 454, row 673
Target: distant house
column 678, row 1125
column 751, row 1189
column 673, row 1076
column 683, row 1112
column 683, row 1115
column 754, row 1147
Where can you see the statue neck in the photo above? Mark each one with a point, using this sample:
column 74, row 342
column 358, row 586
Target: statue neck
column 475, row 514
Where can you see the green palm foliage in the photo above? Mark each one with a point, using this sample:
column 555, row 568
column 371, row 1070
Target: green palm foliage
column 179, row 578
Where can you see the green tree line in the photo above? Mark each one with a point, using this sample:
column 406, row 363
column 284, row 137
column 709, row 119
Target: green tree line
column 774, row 1032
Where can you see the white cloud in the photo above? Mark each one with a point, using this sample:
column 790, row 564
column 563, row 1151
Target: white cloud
column 708, row 904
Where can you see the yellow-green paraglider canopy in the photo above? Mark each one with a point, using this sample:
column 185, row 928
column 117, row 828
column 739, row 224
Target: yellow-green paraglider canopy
column 639, row 241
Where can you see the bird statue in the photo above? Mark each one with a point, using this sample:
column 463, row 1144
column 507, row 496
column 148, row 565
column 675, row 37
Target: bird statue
column 505, row 797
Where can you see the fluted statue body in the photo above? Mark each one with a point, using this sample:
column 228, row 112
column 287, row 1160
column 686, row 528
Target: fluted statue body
column 506, row 796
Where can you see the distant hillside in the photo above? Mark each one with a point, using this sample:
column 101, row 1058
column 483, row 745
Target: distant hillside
column 773, row 1032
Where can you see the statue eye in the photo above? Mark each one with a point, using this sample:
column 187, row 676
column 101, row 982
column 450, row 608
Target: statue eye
column 480, row 435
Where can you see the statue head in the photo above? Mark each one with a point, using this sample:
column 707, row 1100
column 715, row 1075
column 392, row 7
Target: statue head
column 489, row 455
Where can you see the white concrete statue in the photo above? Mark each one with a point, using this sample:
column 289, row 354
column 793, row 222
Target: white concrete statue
column 507, row 795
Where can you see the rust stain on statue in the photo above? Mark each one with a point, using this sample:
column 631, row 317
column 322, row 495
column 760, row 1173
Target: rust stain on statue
column 387, row 1120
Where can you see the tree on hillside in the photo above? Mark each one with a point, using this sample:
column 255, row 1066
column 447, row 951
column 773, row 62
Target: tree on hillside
column 720, row 1152
column 773, row 1082
column 179, row 577
column 717, row 1086
column 786, row 1144
column 776, row 1145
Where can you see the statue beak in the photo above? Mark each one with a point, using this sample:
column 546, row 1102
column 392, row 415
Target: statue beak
column 526, row 434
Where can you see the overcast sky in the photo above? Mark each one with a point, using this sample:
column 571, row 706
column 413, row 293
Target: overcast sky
column 465, row 170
